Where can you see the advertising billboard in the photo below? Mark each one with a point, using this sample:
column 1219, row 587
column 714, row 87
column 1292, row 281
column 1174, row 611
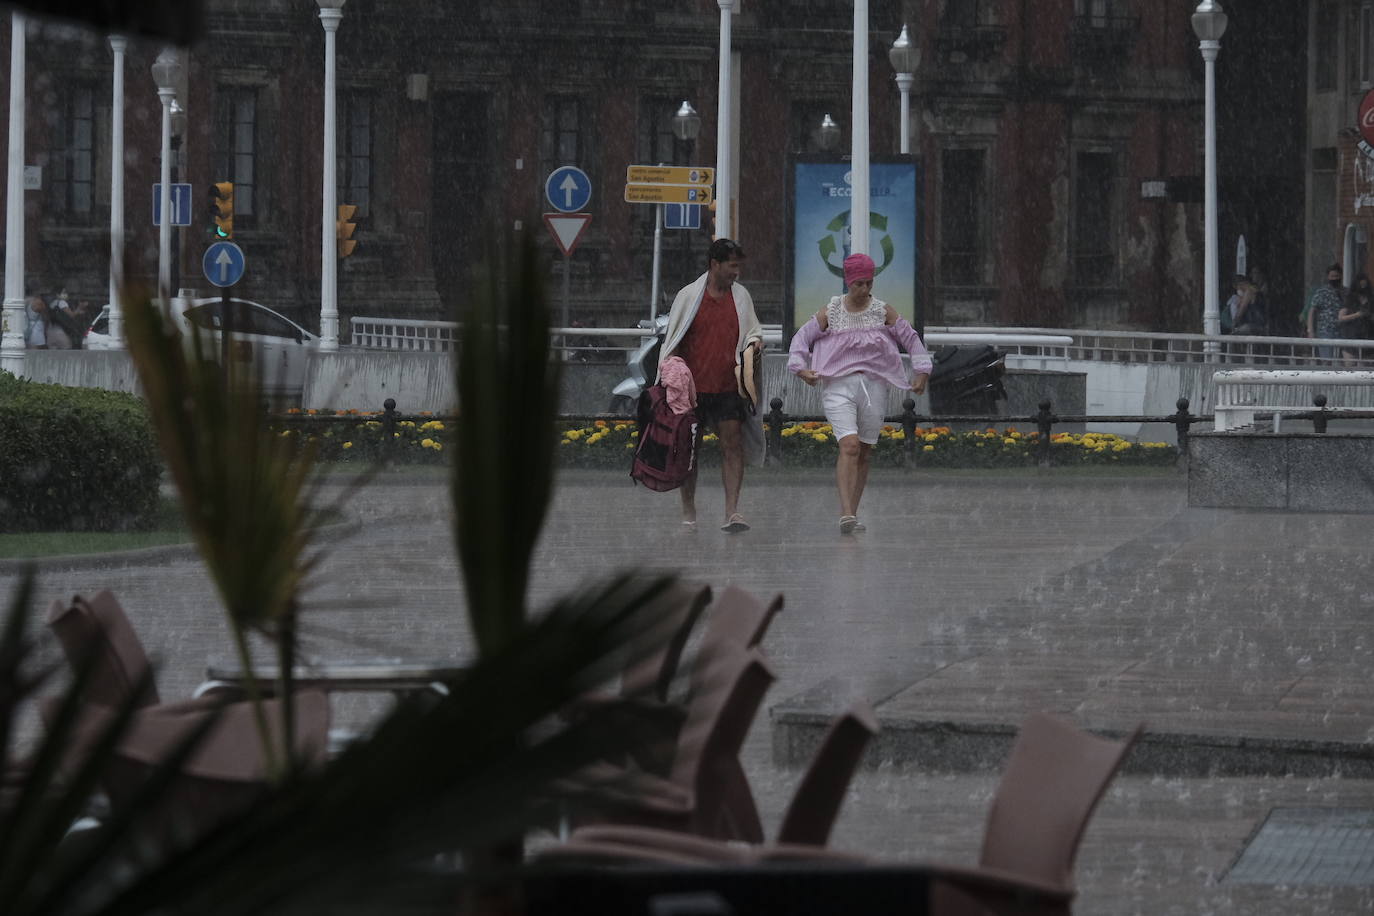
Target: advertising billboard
column 820, row 198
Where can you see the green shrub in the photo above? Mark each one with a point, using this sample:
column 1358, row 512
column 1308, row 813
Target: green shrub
column 74, row 459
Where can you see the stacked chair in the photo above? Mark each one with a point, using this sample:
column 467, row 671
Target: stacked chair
column 224, row 771
column 702, row 816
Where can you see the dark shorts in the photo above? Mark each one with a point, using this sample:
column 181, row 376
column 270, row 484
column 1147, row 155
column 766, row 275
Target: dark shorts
column 712, row 408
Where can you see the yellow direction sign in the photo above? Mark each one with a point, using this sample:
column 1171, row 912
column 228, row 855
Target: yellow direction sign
column 666, row 174
column 666, row 194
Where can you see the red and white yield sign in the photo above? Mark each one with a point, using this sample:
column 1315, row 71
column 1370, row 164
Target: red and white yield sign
column 566, row 229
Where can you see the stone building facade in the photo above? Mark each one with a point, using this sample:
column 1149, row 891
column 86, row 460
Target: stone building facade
column 1060, row 142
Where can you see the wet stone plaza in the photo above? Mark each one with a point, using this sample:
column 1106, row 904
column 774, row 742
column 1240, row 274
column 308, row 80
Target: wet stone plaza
column 1241, row 638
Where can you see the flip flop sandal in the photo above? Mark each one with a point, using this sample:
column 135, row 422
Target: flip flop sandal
column 735, row 525
column 847, row 524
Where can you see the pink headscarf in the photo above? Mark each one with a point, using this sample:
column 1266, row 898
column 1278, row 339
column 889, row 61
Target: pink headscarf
column 857, row 267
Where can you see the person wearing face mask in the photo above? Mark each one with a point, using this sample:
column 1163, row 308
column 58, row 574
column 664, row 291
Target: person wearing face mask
column 850, row 349
column 1323, row 312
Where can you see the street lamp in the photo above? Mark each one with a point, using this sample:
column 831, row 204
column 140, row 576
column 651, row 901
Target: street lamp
column 686, row 123
column 905, row 58
column 12, row 326
column 331, row 14
column 178, row 138
column 829, row 133
column 1209, row 22
column 166, row 73
column 118, row 45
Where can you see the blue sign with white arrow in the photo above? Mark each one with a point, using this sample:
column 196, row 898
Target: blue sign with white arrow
column 568, row 189
column 682, row 216
column 181, row 205
column 223, row 263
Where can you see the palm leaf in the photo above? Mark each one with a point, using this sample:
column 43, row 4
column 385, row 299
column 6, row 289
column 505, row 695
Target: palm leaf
column 503, row 475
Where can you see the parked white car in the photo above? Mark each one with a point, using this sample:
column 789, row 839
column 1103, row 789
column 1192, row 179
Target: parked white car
column 262, row 337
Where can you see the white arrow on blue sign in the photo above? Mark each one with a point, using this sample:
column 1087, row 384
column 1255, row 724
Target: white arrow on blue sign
column 682, row 216
column 181, row 205
column 568, row 189
column 223, row 263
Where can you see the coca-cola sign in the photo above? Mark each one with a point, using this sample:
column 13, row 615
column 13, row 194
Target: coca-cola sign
column 1366, row 118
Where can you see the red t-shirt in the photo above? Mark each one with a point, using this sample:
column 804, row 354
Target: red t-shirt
column 708, row 347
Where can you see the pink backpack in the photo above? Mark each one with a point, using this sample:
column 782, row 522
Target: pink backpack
column 667, row 449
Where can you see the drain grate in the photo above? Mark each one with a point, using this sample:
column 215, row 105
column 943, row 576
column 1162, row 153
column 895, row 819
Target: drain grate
column 1327, row 846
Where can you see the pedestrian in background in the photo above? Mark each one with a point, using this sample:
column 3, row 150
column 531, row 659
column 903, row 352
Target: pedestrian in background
column 35, row 322
column 850, row 349
column 1323, row 312
column 1355, row 314
column 712, row 325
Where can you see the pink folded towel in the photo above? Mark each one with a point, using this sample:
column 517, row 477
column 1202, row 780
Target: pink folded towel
column 681, row 387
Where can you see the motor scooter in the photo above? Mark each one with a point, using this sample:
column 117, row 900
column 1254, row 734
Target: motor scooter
column 643, row 368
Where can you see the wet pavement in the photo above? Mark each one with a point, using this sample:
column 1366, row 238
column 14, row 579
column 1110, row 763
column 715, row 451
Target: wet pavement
column 1240, row 638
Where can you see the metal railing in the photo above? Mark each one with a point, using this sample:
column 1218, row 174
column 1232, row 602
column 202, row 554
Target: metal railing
column 610, row 344
column 1244, row 394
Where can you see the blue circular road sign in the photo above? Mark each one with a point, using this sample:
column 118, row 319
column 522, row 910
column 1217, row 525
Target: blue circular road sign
column 568, row 189
column 223, row 263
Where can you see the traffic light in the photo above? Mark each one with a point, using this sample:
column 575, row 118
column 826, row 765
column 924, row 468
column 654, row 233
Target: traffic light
column 343, row 229
column 222, row 209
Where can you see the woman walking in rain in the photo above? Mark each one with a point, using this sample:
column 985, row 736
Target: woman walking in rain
column 850, row 349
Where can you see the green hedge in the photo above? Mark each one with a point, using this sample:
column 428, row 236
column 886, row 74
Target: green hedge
column 74, row 459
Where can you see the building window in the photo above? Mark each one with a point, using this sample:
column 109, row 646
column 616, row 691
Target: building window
column 73, row 164
column 1094, row 250
column 560, row 141
column 965, row 14
column 1101, row 14
column 354, row 150
column 962, row 222
column 236, row 155
column 1327, row 35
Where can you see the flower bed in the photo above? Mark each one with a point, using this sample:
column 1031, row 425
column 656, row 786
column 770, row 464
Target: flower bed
column 351, row 436
column 354, row 436
column 812, row 444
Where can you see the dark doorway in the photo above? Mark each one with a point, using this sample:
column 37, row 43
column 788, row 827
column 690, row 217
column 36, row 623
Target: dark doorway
column 462, row 166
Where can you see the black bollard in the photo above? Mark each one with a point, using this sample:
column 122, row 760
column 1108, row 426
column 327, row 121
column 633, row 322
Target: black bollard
column 1319, row 418
column 1182, row 423
column 1044, row 422
column 908, row 433
column 388, row 431
column 775, row 422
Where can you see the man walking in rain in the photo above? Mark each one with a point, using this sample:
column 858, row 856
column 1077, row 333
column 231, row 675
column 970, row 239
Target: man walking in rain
column 712, row 324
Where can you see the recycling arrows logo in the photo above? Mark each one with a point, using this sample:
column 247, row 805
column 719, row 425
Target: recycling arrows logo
column 837, row 241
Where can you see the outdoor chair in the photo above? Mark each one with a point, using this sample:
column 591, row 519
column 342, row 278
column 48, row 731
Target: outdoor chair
column 100, row 626
column 805, row 826
column 1051, row 784
column 692, row 796
column 225, row 772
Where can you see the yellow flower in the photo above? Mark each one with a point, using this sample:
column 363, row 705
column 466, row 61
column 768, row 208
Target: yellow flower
column 927, row 448
column 574, row 434
column 897, row 434
column 931, row 437
column 629, row 445
column 621, row 427
column 348, row 445
column 819, row 437
column 426, row 443
column 709, row 437
column 789, row 432
column 438, row 446
column 1008, row 441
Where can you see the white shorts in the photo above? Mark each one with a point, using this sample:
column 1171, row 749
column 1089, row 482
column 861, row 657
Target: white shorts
column 854, row 405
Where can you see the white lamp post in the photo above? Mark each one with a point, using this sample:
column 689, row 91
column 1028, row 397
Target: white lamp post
column 331, row 13
column 12, row 329
column 858, row 135
column 724, row 189
column 1209, row 22
column 905, row 58
column 118, row 44
column 166, row 73
column 686, row 125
